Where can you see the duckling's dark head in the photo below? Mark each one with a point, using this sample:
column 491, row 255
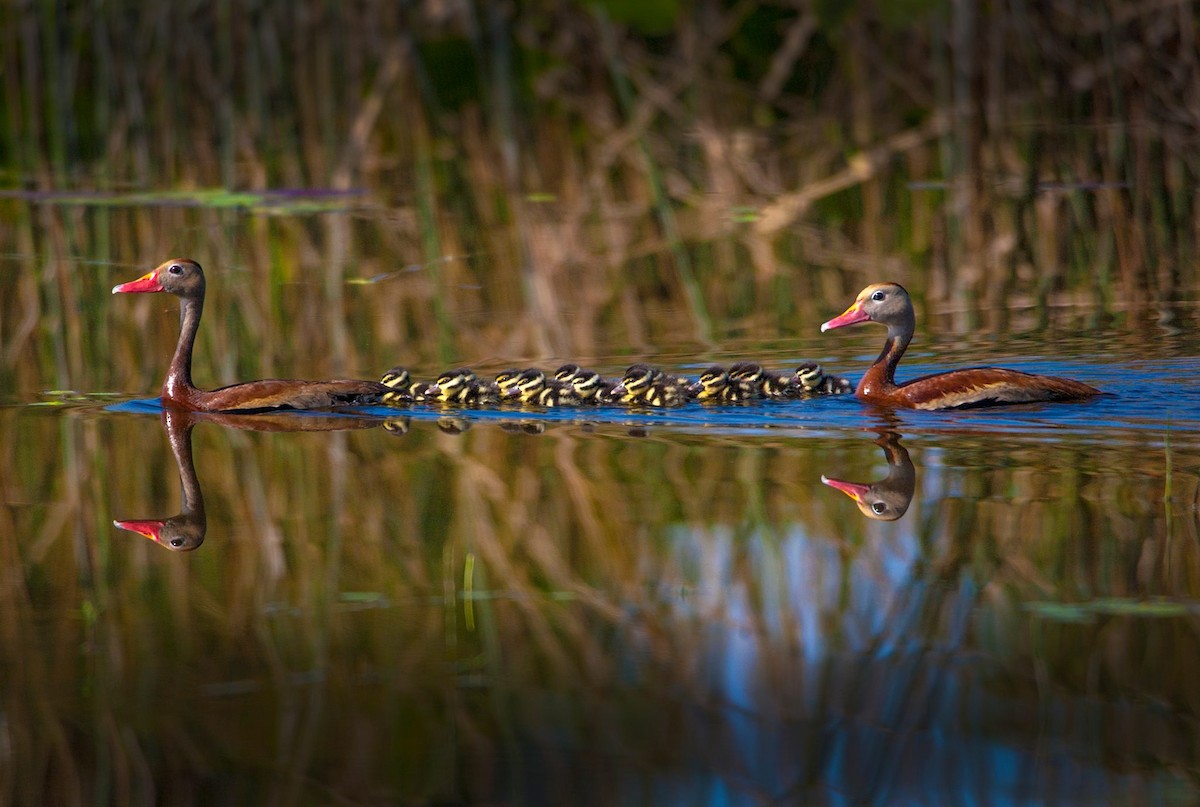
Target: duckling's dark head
column 396, row 377
column 746, row 371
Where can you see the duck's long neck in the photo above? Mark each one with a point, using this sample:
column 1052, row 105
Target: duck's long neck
column 179, row 375
column 882, row 374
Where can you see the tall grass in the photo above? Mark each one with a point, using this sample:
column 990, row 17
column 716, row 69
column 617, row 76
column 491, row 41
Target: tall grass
column 1050, row 147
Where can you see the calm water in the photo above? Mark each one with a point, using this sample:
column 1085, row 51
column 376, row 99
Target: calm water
column 605, row 607
column 578, row 606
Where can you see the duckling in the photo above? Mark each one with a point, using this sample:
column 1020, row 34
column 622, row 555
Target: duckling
column 755, row 379
column 643, row 384
column 532, row 387
column 633, row 385
column 505, row 379
column 403, row 388
column 810, row 380
column 715, row 386
column 588, row 385
column 448, row 386
column 524, row 387
column 461, row 387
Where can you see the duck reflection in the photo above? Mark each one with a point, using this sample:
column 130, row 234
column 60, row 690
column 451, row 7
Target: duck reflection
column 185, row 531
column 889, row 498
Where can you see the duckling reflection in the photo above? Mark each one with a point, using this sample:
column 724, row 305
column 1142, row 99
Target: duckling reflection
column 185, row 531
column 889, row 498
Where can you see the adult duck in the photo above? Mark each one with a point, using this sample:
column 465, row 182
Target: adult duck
column 185, row 279
column 890, row 305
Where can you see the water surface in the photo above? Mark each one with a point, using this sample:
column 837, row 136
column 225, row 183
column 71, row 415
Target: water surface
column 606, row 606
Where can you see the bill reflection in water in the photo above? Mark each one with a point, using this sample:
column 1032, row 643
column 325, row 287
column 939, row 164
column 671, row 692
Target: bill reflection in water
column 889, row 498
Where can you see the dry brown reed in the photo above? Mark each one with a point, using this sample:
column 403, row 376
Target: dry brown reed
column 587, row 165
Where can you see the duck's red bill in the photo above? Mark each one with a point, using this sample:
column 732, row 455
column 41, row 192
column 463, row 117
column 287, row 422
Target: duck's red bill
column 147, row 282
column 851, row 316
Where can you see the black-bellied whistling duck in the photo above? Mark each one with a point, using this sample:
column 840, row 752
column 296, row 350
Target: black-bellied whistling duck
column 890, row 305
column 889, row 498
column 185, row 279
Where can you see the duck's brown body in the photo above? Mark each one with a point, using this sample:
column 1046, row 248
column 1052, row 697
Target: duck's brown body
column 185, row 279
column 889, row 304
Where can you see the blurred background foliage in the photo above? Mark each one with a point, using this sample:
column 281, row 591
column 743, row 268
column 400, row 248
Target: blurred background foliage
column 974, row 147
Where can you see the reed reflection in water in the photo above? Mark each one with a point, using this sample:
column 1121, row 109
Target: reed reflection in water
column 503, row 615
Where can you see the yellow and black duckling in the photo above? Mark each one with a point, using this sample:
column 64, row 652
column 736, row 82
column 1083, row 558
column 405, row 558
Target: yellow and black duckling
column 588, row 385
column 643, row 385
column 715, row 386
column 403, row 388
column 522, row 387
column 532, row 387
column 506, row 380
column 461, row 388
column 633, row 385
column 810, row 379
column 754, row 378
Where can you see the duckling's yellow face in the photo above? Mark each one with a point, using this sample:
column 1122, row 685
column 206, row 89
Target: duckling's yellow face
column 528, row 385
column 638, row 379
column 568, row 372
column 453, row 380
column 506, row 379
column 809, row 374
column 710, row 383
column 450, row 384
